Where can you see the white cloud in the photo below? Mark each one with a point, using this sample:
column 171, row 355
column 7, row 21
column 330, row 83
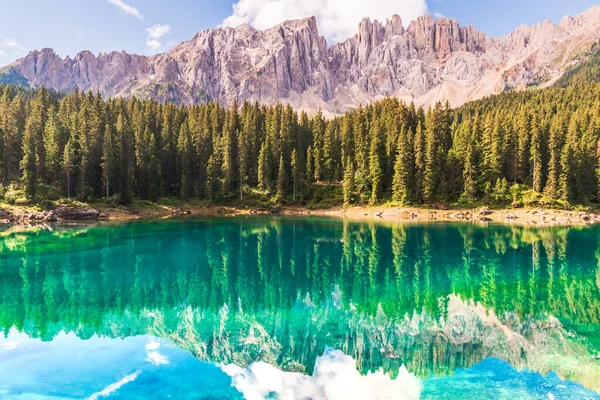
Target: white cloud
column 154, row 34
column 335, row 377
column 156, row 358
column 157, row 31
column 127, row 8
column 337, row 19
column 10, row 43
column 152, row 344
column 152, row 355
column 10, row 50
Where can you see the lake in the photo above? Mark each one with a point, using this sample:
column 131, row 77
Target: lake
column 299, row 308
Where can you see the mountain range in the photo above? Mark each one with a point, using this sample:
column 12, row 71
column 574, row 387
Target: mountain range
column 426, row 61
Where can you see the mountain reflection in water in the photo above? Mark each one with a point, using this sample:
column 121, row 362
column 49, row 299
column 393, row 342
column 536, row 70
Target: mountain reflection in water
column 433, row 299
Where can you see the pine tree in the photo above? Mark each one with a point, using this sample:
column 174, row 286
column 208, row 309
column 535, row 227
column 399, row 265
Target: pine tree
column 523, row 145
column 598, row 171
column 493, row 136
column 169, row 150
column 403, row 170
column 555, row 144
column 376, row 170
column 419, row 150
column 184, row 148
column 127, row 162
column 3, row 159
column 349, row 186
column 4, row 147
column 39, row 115
column 281, row 179
column 310, row 171
column 501, row 192
column 69, row 163
column 109, row 169
column 230, row 150
column 330, row 152
column 469, row 174
column 564, row 181
column 297, row 175
column 536, row 154
column 265, row 166
column 54, row 143
column 153, row 169
column 12, row 120
column 318, row 128
column 29, row 164
column 213, row 178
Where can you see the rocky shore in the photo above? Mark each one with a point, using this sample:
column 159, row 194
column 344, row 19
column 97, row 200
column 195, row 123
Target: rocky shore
column 521, row 216
column 59, row 213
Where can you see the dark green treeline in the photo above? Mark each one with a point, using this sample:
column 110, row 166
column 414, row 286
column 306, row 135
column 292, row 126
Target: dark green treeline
column 541, row 145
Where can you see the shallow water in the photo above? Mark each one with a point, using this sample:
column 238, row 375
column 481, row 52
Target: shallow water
column 299, row 308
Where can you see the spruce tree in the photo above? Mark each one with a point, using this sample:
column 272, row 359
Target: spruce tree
column 536, row 154
column 419, row 151
column 349, row 187
column 212, row 179
column 598, row 171
column 265, row 160
column 310, row 171
column 375, row 168
column 29, row 164
column 69, row 164
column 403, row 170
column 554, row 147
column 230, row 150
column 297, row 175
column 469, row 174
column 153, row 169
column 109, row 169
column 127, row 162
column 3, row 159
column 54, row 142
column 184, row 148
column 281, row 179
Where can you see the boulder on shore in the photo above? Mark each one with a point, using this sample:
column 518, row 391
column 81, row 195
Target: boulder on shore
column 76, row 213
column 6, row 215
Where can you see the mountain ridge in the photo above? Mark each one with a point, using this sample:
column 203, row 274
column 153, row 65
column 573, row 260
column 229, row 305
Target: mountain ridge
column 430, row 60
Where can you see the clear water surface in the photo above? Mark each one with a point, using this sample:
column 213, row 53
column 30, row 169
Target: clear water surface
column 293, row 308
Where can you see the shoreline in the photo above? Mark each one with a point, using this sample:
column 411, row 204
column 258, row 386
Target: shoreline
column 20, row 215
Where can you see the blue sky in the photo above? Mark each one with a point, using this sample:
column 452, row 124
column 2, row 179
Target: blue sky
column 151, row 26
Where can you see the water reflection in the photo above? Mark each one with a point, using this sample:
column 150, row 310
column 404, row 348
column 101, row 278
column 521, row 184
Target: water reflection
column 434, row 298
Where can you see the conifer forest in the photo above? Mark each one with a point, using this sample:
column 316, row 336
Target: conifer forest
column 537, row 146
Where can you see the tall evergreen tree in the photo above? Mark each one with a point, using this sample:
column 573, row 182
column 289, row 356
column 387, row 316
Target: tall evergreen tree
column 297, row 175
column 375, row 164
column 281, row 178
column 403, row 169
column 469, row 175
column 109, row 163
column 185, row 150
column 536, row 154
column 349, row 185
column 29, row 164
column 554, row 146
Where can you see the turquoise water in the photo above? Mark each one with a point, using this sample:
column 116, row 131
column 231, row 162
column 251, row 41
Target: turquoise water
column 299, row 308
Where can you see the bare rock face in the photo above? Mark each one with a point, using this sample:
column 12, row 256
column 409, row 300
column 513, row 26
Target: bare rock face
column 429, row 60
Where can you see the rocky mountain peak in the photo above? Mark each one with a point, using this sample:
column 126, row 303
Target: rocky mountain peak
column 430, row 60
